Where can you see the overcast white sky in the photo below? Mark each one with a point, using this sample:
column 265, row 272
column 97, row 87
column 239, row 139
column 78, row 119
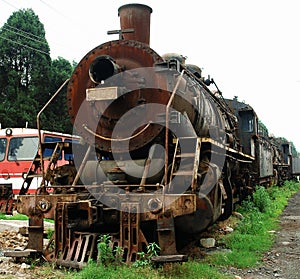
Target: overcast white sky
column 250, row 47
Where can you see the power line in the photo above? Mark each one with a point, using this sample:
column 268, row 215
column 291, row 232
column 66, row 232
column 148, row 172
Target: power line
column 9, row 4
column 55, row 10
column 50, row 7
column 22, row 31
column 22, row 35
column 35, row 49
column 28, row 33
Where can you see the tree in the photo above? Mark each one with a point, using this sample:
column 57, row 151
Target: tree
column 24, row 68
column 56, row 116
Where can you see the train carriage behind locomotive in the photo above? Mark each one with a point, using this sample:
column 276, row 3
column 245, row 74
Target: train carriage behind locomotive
column 254, row 141
column 275, row 162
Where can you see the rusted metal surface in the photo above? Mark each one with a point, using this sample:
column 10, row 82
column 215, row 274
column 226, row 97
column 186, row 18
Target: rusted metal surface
column 166, row 233
column 80, row 252
column 36, row 232
column 132, row 238
column 38, row 207
column 190, row 160
column 180, row 204
column 136, row 17
column 7, row 205
column 7, row 202
column 295, row 165
column 85, row 114
column 45, row 204
column 73, row 248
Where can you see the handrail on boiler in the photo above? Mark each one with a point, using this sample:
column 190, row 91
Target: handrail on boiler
column 167, row 126
column 38, row 124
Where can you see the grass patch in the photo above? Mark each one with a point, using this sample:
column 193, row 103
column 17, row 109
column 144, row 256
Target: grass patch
column 13, row 217
column 252, row 237
column 108, row 266
column 20, row 217
column 195, row 270
column 50, row 271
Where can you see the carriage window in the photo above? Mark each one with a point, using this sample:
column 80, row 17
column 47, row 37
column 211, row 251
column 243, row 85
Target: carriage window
column 247, row 121
column 48, row 151
column 68, row 152
column 286, row 148
column 3, row 143
column 22, row 148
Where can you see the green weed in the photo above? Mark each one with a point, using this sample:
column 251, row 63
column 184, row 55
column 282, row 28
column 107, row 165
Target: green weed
column 105, row 250
column 50, row 233
column 144, row 259
column 251, row 238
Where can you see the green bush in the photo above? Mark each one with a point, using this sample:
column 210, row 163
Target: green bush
column 261, row 199
column 105, row 250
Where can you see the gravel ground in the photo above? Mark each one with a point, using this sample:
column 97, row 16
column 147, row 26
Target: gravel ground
column 10, row 239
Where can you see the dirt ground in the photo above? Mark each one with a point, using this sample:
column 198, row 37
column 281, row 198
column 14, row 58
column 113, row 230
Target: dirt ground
column 10, row 239
column 282, row 261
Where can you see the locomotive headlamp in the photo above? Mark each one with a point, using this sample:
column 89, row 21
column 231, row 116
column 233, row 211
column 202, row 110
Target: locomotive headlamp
column 8, row 132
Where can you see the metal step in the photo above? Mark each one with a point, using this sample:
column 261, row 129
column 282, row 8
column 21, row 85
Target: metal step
column 183, row 173
column 185, row 155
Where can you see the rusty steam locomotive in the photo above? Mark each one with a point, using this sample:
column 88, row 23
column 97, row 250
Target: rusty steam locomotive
column 163, row 156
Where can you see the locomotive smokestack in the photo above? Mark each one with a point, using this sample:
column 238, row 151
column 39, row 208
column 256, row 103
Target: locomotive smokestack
column 136, row 16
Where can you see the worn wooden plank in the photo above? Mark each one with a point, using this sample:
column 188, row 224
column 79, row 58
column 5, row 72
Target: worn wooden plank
column 18, row 254
column 170, row 258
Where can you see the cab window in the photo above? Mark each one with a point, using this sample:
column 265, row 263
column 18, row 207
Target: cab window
column 22, row 148
column 247, row 121
column 3, row 143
